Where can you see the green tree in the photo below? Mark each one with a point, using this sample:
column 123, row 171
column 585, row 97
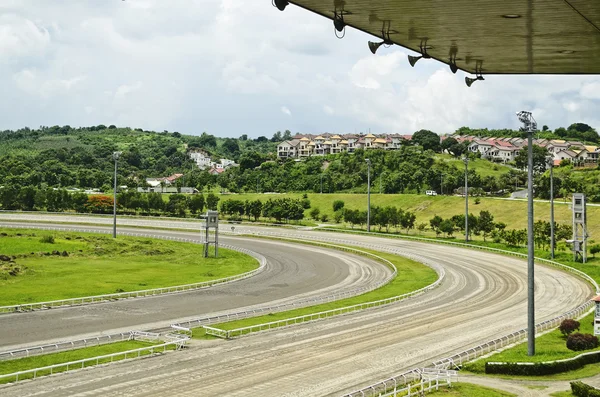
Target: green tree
column 435, row 223
column 427, row 139
column 314, row 213
column 447, row 227
column 338, row 205
column 212, row 201
column 196, row 203
column 539, row 159
column 486, row 223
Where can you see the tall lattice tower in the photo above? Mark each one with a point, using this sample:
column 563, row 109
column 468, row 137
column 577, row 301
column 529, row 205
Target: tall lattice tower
column 579, row 227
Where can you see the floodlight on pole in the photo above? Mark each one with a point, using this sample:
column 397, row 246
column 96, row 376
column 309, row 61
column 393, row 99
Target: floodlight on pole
column 322, row 183
column 466, row 160
column 115, row 156
column 551, row 165
column 368, row 194
column 530, row 126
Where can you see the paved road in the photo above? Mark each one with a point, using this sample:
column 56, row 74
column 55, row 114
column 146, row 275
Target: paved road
column 292, row 272
column 483, row 296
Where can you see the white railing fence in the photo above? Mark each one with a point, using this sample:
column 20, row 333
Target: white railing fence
column 62, row 346
column 317, row 316
column 175, row 340
column 410, row 383
column 87, row 300
column 80, row 364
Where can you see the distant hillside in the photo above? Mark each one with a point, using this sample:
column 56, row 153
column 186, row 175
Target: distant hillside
column 82, row 157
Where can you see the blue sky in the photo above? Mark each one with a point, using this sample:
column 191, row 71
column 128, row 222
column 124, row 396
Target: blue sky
column 236, row 67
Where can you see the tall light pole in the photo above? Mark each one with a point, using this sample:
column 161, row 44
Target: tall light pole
column 551, row 165
column 321, row 183
column 530, row 126
column 116, row 156
column 442, row 183
column 368, row 195
column 466, row 160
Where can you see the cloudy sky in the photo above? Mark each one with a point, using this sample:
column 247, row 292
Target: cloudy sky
column 233, row 67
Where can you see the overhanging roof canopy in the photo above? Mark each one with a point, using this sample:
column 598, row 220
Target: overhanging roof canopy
column 491, row 36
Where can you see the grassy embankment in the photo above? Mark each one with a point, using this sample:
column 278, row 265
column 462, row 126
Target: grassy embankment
column 411, row 276
column 549, row 347
column 511, row 212
column 27, row 363
column 469, row 390
column 98, row 264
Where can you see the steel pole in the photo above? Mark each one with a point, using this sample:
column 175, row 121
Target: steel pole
column 368, row 196
column 115, row 201
column 466, row 199
column 551, row 210
column 530, row 249
column 321, row 183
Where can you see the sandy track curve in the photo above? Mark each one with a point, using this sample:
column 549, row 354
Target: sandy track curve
column 483, row 296
column 293, row 272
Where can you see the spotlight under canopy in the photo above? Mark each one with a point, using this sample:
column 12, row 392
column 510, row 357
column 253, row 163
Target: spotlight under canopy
column 375, row 46
column 281, row 4
column 413, row 59
column 469, row 80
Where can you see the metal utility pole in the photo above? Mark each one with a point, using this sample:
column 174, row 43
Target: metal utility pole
column 368, row 195
column 116, row 156
column 466, row 160
column 321, row 183
column 530, row 126
column 551, row 164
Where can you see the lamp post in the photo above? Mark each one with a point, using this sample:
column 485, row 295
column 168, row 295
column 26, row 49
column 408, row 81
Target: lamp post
column 466, row 160
column 551, row 165
column 530, row 126
column 380, row 179
column 442, row 183
column 368, row 194
column 321, row 183
column 116, row 156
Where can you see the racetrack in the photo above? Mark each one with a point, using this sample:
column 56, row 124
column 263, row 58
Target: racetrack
column 292, row 273
column 482, row 296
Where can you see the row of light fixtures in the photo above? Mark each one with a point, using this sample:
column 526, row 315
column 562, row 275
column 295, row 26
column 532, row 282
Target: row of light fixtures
column 339, row 25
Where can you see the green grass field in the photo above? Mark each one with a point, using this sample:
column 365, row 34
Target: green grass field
column 482, row 167
column 97, row 264
column 511, row 212
column 411, row 276
column 23, row 364
column 469, row 390
column 549, row 347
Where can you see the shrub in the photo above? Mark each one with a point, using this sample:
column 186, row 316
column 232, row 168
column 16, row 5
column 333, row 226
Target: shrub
column 47, row 239
column 580, row 389
column 594, row 249
column 568, row 326
column 338, row 216
column 338, row 205
column 324, row 218
column 539, row 369
column 305, row 203
column 314, row 213
column 578, row 342
column 477, row 200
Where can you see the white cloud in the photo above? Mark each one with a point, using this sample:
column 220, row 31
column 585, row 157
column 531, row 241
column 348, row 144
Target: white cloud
column 125, row 89
column 189, row 65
